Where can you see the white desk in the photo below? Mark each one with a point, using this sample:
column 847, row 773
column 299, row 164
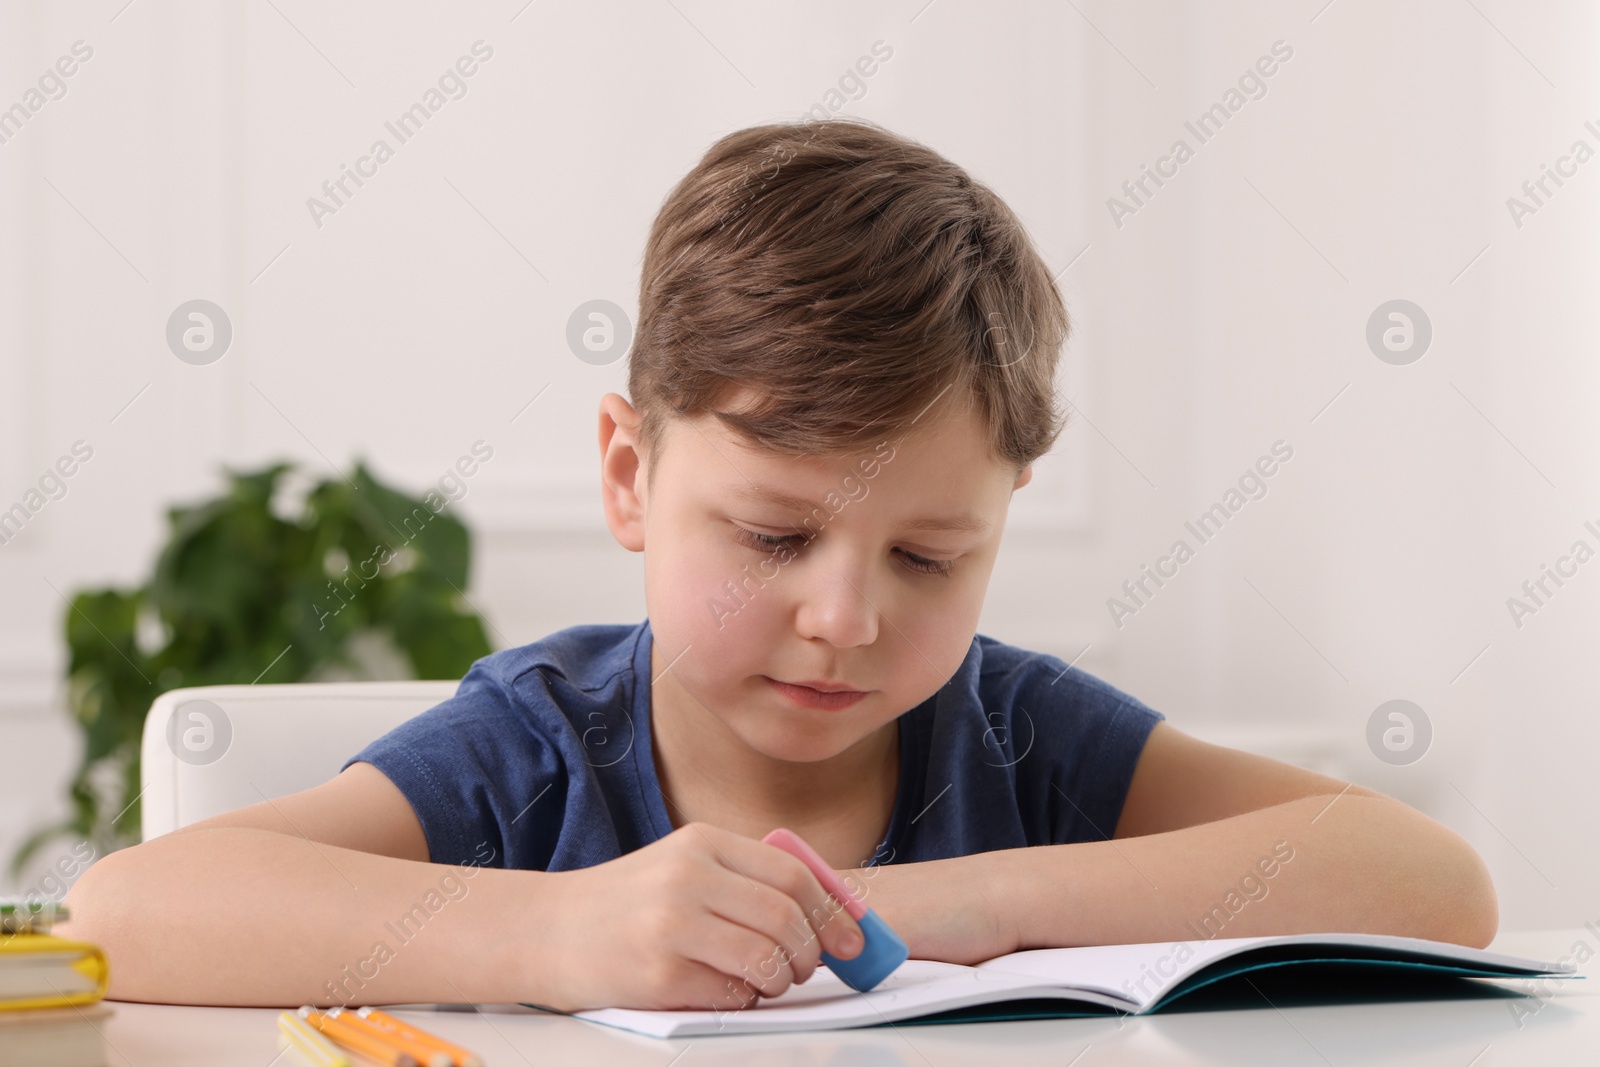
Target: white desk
column 1481, row 1031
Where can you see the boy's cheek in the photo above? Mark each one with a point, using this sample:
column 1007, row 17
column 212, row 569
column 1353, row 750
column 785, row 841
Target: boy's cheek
column 918, row 638
column 699, row 596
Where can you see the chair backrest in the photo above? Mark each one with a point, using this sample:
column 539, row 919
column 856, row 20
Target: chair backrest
column 211, row 749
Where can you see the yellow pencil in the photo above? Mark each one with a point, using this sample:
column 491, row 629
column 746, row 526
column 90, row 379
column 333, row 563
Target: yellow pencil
column 423, row 1053
column 357, row 1040
column 461, row 1056
column 317, row 1050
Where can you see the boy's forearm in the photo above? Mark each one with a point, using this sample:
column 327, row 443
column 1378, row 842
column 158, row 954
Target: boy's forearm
column 1356, row 863
column 235, row 916
column 1359, row 863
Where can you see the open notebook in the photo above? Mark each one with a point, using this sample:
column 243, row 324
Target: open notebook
column 1133, row 979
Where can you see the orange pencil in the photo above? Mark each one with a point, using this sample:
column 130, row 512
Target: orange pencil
column 357, row 1040
column 423, row 1054
column 461, row 1056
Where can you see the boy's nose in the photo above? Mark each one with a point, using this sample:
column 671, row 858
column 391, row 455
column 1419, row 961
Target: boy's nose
column 837, row 607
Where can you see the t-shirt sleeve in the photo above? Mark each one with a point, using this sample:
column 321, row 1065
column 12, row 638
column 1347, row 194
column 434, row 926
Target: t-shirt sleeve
column 471, row 767
column 1076, row 740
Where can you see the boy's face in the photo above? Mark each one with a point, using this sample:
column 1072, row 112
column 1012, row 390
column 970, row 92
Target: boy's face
column 870, row 601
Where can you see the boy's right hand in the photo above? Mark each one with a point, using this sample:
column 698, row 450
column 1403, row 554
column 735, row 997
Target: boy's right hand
column 702, row 919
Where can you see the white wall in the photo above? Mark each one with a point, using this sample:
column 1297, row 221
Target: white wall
column 1227, row 313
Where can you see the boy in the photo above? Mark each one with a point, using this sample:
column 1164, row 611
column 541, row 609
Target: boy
column 844, row 367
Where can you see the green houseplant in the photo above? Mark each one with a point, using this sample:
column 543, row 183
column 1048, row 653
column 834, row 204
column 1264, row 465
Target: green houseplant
column 243, row 592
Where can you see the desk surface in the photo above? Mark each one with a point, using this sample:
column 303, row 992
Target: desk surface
column 1560, row 1024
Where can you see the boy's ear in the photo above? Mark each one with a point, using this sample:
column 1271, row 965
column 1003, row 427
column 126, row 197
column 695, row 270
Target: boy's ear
column 1023, row 478
column 622, row 473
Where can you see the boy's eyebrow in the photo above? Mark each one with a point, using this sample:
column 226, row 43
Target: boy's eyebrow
column 963, row 522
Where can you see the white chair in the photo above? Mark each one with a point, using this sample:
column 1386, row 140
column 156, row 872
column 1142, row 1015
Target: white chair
column 211, row 749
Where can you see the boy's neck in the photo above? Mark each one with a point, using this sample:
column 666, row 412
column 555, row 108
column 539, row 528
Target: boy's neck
column 841, row 806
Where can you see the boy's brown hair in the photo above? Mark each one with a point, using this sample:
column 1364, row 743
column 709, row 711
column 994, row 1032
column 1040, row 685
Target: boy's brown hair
column 851, row 277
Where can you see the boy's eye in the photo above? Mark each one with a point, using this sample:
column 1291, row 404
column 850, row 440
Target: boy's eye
column 769, row 543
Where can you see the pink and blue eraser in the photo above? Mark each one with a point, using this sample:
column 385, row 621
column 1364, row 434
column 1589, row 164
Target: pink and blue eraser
column 882, row 950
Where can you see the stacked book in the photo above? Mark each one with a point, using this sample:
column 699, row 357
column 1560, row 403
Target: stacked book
column 50, row 991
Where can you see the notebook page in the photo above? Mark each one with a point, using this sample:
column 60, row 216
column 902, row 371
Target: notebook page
column 1134, row 975
column 917, row 987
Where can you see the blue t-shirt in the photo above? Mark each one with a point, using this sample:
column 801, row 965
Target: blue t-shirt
column 542, row 759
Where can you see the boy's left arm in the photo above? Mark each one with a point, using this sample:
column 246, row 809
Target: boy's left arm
column 1211, row 842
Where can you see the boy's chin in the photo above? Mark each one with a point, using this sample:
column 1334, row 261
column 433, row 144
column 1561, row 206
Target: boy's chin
column 797, row 741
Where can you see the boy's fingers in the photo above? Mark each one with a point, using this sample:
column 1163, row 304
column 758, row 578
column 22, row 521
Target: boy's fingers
column 775, row 919
column 789, row 875
column 709, row 989
column 745, row 955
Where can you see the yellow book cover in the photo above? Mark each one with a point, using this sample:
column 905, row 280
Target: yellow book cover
column 45, row 971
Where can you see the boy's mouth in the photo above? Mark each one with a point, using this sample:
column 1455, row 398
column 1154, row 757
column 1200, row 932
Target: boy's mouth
column 817, row 694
